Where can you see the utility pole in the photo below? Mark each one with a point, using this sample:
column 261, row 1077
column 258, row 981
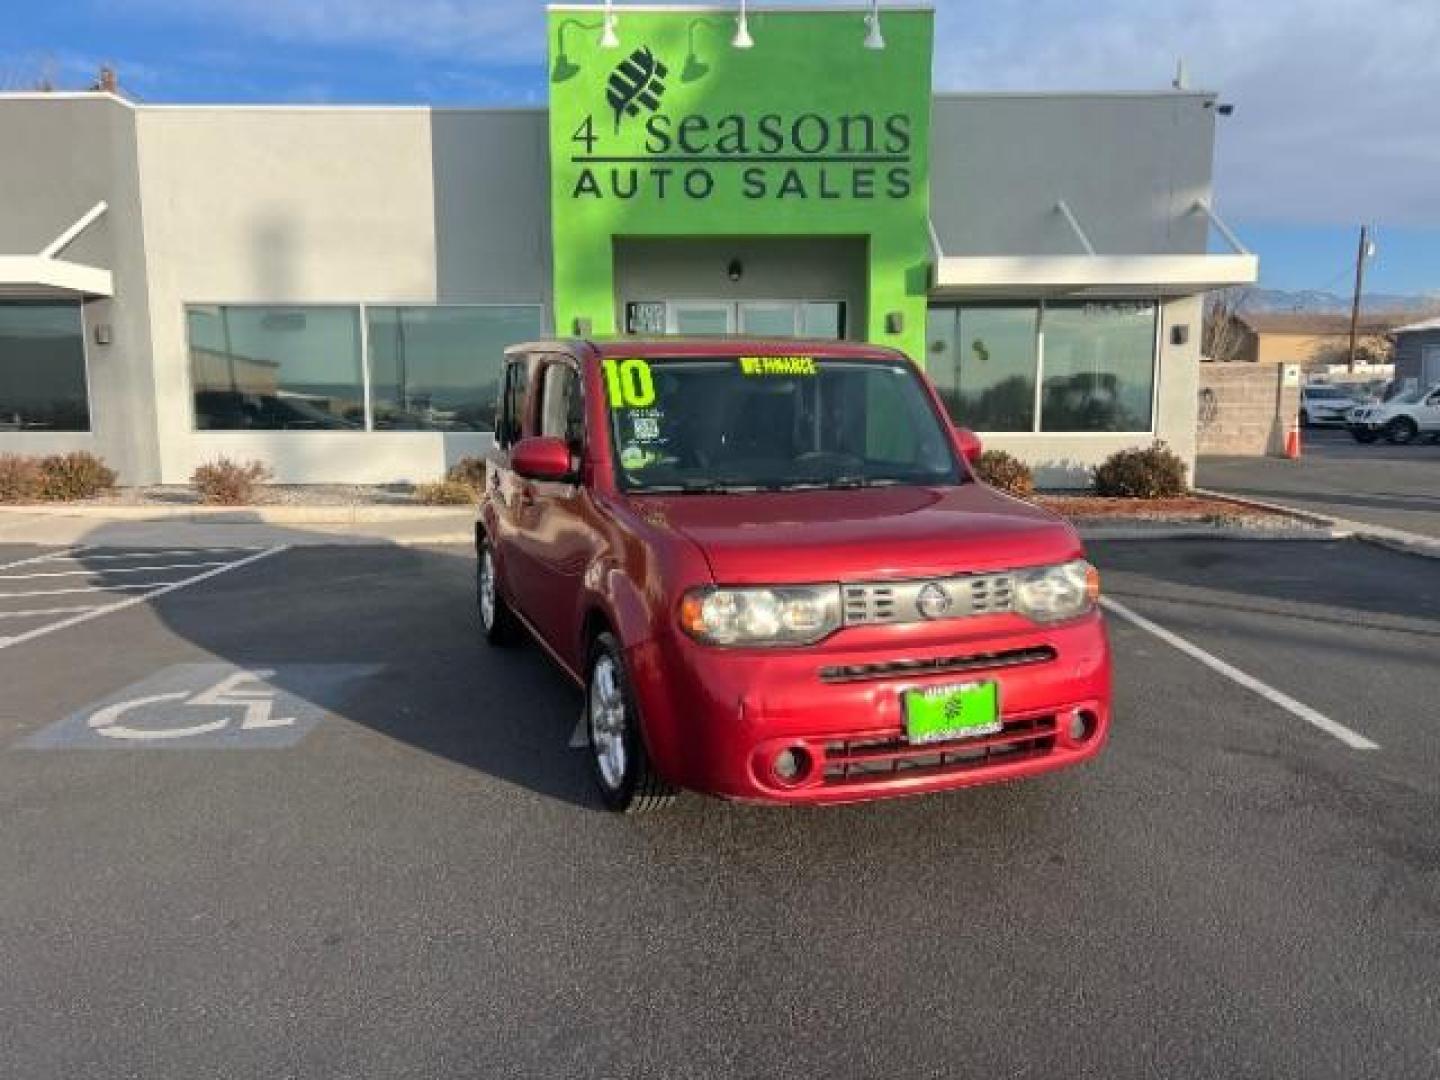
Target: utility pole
column 1360, row 253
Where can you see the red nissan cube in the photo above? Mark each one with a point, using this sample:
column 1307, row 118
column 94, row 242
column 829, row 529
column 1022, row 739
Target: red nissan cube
column 772, row 570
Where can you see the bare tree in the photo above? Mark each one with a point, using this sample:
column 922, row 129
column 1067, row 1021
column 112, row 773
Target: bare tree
column 1221, row 334
column 38, row 77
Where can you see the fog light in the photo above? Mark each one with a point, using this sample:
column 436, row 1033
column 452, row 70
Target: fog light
column 791, row 765
column 1082, row 726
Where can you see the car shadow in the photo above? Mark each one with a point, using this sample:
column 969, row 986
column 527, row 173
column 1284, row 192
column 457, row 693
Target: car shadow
column 408, row 612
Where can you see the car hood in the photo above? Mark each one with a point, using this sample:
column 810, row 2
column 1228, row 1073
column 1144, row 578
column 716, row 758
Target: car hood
column 801, row 536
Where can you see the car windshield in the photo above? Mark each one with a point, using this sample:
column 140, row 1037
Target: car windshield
column 1325, row 392
column 773, row 423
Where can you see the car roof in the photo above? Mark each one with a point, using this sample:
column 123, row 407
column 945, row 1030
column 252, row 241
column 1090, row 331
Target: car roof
column 722, row 346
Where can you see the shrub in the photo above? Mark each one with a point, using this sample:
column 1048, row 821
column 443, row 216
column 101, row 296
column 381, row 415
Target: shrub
column 229, row 483
column 469, row 471
column 77, row 475
column 1154, row 472
column 1006, row 472
column 447, row 492
column 19, row 479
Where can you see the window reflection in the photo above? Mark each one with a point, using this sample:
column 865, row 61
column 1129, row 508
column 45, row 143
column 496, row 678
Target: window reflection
column 438, row 368
column 42, row 367
column 276, row 368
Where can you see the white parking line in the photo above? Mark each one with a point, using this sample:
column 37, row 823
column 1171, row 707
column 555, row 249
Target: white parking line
column 38, row 558
column 37, row 612
column 131, row 601
column 87, row 588
column 1352, row 739
column 86, row 557
column 113, row 570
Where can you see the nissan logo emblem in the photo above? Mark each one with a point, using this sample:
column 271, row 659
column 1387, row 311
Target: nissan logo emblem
column 933, row 601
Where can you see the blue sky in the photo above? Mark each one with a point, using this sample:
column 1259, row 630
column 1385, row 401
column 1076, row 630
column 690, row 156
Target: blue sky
column 1337, row 115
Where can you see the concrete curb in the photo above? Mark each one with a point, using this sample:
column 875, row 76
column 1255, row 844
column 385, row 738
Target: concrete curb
column 250, row 515
column 1205, row 532
column 1381, row 535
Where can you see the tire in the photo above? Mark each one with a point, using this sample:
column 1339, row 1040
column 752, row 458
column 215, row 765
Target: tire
column 627, row 781
column 1363, row 436
column 1401, row 430
column 1304, row 418
column 497, row 621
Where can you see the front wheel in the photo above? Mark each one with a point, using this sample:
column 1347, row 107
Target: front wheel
column 497, row 621
column 1401, row 430
column 628, row 782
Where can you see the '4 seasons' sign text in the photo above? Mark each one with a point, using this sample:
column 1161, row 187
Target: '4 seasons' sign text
column 633, row 148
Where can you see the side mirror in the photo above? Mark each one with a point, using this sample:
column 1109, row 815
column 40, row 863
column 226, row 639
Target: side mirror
column 541, row 457
column 970, row 447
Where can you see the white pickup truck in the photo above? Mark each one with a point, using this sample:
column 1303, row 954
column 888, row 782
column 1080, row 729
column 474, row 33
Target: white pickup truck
column 1402, row 419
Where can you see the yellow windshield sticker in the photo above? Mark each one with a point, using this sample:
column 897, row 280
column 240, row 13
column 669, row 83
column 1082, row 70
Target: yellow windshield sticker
column 777, row 365
column 629, row 384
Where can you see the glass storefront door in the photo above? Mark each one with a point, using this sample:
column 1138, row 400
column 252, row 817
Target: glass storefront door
column 761, row 318
column 699, row 317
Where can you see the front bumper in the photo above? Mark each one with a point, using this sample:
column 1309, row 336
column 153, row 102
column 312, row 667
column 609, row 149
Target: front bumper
column 715, row 719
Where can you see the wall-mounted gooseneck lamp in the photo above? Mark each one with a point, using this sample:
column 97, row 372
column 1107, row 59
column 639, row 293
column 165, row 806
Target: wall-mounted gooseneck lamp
column 609, row 39
column 873, row 38
column 742, row 38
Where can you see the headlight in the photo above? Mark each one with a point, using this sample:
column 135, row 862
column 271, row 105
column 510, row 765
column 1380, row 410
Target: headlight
column 1055, row 593
column 779, row 615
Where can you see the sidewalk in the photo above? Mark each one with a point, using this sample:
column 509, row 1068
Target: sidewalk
column 262, row 526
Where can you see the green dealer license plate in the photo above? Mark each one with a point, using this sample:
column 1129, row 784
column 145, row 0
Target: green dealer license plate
column 951, row 712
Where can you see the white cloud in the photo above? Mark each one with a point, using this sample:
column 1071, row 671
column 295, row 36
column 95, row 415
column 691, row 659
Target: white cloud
column 1337, row 101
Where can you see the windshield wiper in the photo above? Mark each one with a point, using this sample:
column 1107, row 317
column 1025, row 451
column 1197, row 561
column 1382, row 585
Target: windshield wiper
column 846, row 482
column 697, row 487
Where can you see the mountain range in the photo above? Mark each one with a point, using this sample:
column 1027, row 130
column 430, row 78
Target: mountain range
column 1316, row 301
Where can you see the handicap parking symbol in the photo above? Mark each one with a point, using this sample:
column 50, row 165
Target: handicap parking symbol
column 218, row 706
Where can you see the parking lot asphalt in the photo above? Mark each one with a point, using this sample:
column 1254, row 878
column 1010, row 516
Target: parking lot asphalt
column 390, row 863
column 1380, row 484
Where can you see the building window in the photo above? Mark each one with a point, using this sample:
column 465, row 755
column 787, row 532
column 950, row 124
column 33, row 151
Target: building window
column 438, row 368
column 42, row 368
column 276, row 368
column 984, row 360
column 1099, row 366
column 1094, row 361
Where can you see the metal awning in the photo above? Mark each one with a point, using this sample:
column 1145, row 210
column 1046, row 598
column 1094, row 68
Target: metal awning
column 44, row 275
column 1089, row 274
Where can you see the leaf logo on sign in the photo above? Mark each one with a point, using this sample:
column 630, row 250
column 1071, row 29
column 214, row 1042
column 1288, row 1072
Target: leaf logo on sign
column 638, row 82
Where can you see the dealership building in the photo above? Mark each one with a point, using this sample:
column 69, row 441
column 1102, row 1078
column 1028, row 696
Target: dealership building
column 328, row 289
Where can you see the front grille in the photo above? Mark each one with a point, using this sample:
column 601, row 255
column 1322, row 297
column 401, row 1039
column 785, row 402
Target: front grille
column 853, row 761
column 937, row 665
column 877, row 603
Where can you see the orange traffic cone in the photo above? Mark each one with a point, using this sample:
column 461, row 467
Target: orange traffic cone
column 1292, row 441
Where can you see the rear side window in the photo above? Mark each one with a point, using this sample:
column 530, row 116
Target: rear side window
column 510, row 425
column 562, row 407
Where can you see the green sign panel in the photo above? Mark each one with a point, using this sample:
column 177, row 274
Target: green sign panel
column 675, row 133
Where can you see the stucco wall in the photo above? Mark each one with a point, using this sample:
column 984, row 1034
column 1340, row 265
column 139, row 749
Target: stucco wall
column 302, row 205
column 61, row 155
column 1130, row 167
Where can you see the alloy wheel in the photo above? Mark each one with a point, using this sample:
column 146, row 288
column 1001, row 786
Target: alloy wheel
column 607, row 722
